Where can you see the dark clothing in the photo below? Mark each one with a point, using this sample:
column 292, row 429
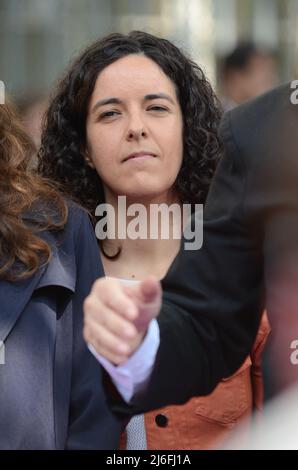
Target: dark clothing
column 51, row 386
column 213, row 297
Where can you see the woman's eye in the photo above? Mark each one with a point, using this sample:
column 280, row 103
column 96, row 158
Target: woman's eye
column 108, row 114
column 157, row 108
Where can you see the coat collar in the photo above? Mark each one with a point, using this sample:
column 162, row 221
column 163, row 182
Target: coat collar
column 14, row 296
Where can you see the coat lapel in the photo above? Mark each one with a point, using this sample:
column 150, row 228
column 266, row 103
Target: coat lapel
column 14, row 296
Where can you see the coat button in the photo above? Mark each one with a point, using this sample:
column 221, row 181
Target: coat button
column 161, row 420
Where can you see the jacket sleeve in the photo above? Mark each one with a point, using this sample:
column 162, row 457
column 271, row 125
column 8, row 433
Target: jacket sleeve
column 91, row 424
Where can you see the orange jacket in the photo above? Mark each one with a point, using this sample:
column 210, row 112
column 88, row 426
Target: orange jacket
column 206, row 422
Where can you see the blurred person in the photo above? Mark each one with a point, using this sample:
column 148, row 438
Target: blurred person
column 140, row 138
column 278, row 431
column 51, row 390
column 246, row 72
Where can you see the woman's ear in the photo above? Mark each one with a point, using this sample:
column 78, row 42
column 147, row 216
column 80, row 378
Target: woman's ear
column 88, row 159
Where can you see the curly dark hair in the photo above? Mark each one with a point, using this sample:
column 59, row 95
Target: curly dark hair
column 29, row 204
column 61, row 156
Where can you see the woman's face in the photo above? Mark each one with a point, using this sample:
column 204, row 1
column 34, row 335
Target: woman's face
column 134, row 129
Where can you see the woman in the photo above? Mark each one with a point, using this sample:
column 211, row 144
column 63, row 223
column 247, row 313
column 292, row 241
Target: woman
column 134, row 117
column 51, row 392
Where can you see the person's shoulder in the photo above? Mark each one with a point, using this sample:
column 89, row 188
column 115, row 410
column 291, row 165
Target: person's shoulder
column 261, row 121
column 65, row 236
column 78, row 226
column 274, row 101
column 80, row 242
column 41, row 211
column 76, row 215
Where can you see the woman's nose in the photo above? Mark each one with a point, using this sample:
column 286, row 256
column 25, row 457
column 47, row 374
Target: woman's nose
column 136, row 130
column 136, row 134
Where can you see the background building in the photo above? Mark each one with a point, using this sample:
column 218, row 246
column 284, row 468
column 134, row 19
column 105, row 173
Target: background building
column 38, row 38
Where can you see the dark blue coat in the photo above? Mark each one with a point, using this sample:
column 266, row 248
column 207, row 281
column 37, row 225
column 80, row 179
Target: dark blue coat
column 51, row 394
